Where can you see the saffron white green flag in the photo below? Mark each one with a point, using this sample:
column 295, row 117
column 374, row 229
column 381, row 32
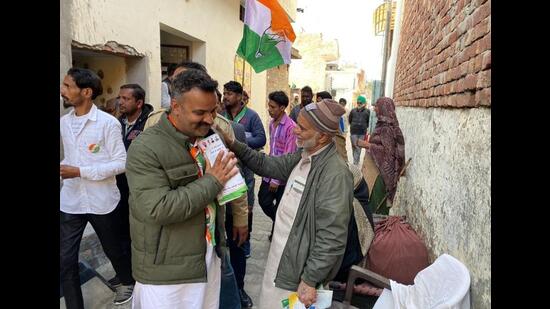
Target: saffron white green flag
column 267, row 35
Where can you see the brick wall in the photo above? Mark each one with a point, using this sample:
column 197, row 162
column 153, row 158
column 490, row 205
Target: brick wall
column 444, row 57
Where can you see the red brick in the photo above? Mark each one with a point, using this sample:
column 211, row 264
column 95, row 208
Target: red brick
column 447, row 101
column 453, row 86
column 439, row 90
column 460, row 85
column 461, row 57
column 478, row 63
column 446, row 19
column 464, row 99
column 471, row 51
column 461, row 28
column 470, row 81
column 450, row 61
column 483, row 97
column 484, row 79
column 446, row 89
column 486, row 60
column 486, row 10
column 480, row 29
column 456, row 73
column 453, row 37
column 468, row 37
column 481, row 13
column 447, row 63
column 463, row 69
column 485, row 43
column 445, row 7
column 472, row 66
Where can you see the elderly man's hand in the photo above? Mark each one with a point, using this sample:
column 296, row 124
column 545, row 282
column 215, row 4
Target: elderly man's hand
column 306, row 294
column 228, row 140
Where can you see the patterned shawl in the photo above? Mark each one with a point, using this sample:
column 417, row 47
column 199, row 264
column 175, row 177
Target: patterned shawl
column 387, row 145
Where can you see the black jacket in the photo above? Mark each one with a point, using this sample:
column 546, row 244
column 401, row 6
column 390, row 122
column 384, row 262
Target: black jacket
column 353, row 254
column 137, row 128
column 127, row 138
column 359, row 121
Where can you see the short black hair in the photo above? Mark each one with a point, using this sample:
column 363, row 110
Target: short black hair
column 342, row 100
column 190, row 79
column 324, row 95
column 137, row 92
column 191, row 65
column 85, row 78
column 279, row 97
column 171, row 68
column 233, row 86
column 307, row 89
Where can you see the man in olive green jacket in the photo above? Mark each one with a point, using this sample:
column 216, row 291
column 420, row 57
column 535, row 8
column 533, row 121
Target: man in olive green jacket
column 176, row 224
column 311, row 227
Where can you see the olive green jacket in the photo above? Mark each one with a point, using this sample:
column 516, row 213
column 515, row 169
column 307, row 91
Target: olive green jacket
column 317, row 239
column 167, row 203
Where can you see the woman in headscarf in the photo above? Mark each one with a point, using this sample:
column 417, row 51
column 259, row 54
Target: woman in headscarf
column 386, row 146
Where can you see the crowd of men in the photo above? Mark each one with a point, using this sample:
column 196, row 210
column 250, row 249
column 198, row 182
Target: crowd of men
column 150, row 193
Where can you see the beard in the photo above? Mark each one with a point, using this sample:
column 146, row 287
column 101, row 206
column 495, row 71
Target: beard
column 66, row 103
column 308, row 143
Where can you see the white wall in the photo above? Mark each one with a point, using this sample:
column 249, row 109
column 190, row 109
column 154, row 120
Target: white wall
column 446, row 194
column 216, row 23
column 114, row 70
column 213, row 27
column 128, row 22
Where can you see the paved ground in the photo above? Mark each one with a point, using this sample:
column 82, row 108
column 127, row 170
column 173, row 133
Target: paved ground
column 98, row 296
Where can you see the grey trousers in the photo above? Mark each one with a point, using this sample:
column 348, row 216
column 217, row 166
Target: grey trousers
column 356, row 149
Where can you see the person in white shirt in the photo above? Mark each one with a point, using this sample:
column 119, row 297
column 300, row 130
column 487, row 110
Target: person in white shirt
column 93, row 154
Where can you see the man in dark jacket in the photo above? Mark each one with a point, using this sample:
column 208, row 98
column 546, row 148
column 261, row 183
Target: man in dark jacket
column 134, row 113
column 306, row 96
column 359, row 123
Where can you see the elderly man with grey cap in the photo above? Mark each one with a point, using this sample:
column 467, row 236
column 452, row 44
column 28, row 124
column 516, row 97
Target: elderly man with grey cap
column 311, row 224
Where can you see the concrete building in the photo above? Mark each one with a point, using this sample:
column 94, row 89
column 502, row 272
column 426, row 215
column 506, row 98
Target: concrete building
column 315, row 53
column 133, row 42
column 346, row 81
column 439, row 76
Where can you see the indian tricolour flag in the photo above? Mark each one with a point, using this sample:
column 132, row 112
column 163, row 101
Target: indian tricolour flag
column 267, row 35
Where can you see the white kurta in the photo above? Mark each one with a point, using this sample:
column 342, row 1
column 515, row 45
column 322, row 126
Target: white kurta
column 271, row 296
column 204, row 295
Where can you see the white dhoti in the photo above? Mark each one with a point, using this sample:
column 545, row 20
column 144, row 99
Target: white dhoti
column 204, row 295
column 271, row 296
